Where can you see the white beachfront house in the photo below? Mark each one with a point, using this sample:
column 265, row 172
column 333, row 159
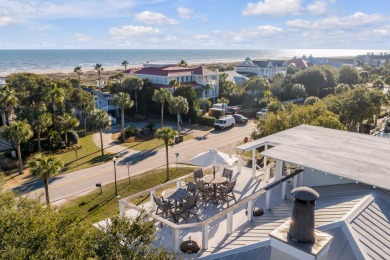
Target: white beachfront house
column 375, row 60
column 262, row 68
column 104, row 101
column 235, row 77
column 352, row 215
column 198, row 77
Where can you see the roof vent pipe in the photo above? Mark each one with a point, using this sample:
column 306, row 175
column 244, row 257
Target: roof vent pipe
column 302, row 219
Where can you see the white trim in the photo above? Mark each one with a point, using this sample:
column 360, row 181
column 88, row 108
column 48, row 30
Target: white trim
column 237, row 250
column 358, row 208
column 356, row 246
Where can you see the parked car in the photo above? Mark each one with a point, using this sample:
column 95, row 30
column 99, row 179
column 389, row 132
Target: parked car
column 224, row 122
column 240, row 119
column 262, row 112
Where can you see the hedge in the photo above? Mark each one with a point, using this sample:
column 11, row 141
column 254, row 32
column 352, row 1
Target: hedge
column 206, row 120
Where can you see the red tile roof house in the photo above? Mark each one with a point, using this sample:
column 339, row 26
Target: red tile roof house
column 197, row 77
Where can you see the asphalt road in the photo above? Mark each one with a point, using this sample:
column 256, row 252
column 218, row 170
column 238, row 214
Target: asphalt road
column 65, row 185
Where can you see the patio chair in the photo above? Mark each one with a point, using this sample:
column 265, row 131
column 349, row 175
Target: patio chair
column 165, row 207
column 192, row 188
column 188, row 208
column 198, row 174
column 225, row 193
column 205, row 193
column 227, row 173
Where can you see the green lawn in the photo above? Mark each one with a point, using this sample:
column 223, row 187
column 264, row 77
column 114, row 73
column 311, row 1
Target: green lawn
column 95, row 207
column 152, row 144
column 89, row 155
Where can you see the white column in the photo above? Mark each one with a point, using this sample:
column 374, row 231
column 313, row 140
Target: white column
column 295, row 183
column 250, row 210
column 253, row 163
column 278, row 170
column 152, row 202
column 229, row 217
column 205, row 237
column 178, row 184
column 122, row 207
column 220, row 169
column 284, row 186
column 268, row 200
column 265, row 157
column 267, row 174
column 175, row 240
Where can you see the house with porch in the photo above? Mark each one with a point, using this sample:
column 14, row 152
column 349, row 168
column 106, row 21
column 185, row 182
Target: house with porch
column 348, row 170
column 104, row 100
column 261, row 68
column 374, row 60
column 199, row 77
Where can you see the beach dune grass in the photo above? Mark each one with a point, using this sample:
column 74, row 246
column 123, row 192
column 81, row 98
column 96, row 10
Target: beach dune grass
column 87, row 156
column 95, row 207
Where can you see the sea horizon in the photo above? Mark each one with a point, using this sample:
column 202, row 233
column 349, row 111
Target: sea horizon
column 33, row 60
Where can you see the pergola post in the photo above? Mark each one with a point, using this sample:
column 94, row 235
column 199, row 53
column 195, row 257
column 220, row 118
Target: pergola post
column 175, row 240
column 122, row 207
column 229, row 217
column 295, row 183
column 284, row 187
column 268, row 200
column 205, row 237
column 265, row 157
column 178, row 184
column 239, row 164
column 278, row 170
column 250, row 210
column 152, row 202
column 253, row 163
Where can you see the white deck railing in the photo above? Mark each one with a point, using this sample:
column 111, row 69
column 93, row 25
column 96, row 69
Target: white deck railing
column 206, row 229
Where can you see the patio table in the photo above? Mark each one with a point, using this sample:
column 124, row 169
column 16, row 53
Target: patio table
column 175, row 194
column 214, row 180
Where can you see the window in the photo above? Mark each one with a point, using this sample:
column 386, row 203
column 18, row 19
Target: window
column 199, row 78
column 186, row 78
column 156, row 79
column 182, row 79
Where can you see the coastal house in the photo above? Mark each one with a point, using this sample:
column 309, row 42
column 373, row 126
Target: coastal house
column 348, row 170
column 262, row 68
column 235, row 77
column 104, row 100
column 101, row 82
column 299, row 63
column 374, row 60
column 332, row 61
column 198, row 77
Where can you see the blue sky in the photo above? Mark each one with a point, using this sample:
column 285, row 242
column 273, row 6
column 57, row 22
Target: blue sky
column 202, row 24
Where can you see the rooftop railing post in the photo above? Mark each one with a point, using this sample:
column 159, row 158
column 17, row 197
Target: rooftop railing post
column 265, row 157
column 122, row 208
column 295, row 183
column 152, row 202
column 268, row 200
column 178, row 184
column 175, row 240
column 205, row 237
column 239, row 164
column 267, row 174
column 284, row 187
column 279, row 170
column 250, row 210
column 229, row 217
column 254, row 163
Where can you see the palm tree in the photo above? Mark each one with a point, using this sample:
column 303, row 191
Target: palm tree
column 8, row 100
column 45, row 167
column 66, row 122
column 18, row 132
column 183, row 63
column 125, row 63
column 167, row 134
column 40, row 120
column 174, row 84
column 135, row 84
column 178, row 105
column 79, row 72
column 160, row 96
column 83, row 102
column 56, row 96
column 123, row 100
column 99, row 68
column 204, row 103
column 101, row 121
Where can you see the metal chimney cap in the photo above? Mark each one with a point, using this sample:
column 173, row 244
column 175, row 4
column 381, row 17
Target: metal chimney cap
column 305, row 194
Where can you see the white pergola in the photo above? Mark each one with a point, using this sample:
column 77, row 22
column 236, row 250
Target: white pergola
column 359, row 157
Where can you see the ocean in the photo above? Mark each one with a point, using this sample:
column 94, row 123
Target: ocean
column 34, row 60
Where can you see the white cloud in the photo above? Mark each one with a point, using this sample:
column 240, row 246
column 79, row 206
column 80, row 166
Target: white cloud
column 185, row 12
column 273, row 7
column 131, row 30
column 154, row 18
column 356, row 20
column 6, row 20
column 317, row 7
column 81, row 37
column 201, row 37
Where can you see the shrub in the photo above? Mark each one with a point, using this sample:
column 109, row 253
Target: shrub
column 129, row 132
column 73, row 137
column 383, row 114
column 206, row 120
column 150, row 126
column 139, row 118
column 9, row 164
